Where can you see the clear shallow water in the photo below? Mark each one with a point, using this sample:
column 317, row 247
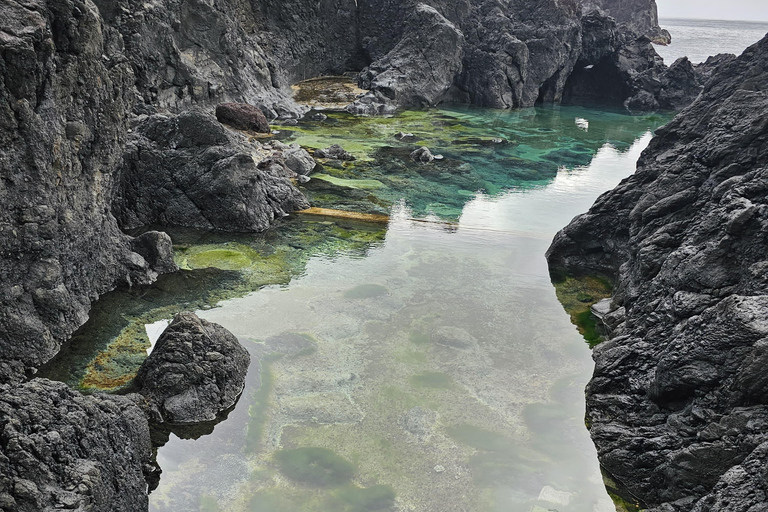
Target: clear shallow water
column 699, row 39
column 425, row 365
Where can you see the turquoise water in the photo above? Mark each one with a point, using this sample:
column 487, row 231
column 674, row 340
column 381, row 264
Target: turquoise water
column 421, row 365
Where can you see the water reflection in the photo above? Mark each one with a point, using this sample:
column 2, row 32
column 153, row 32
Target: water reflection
column 443, row 374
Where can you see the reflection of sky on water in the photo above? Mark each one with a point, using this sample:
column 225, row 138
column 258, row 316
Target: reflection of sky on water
column 471, row 304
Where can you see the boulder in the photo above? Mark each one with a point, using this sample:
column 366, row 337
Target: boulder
column 298, row 160
column 189, row 170
column 243, row 117
column 63, row 450
column 195, row 372
column 156, row 248
column 421, row 68
column 422, row 155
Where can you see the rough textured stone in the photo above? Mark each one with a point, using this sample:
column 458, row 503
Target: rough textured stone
column 420, row 69
column 298, row 160
column 60, row 449
column 189, row 170
column 195, row 371
column 243, row 117
column 677, row 402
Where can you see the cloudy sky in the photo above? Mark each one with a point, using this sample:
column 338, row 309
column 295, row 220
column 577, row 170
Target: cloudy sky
column 751, row 10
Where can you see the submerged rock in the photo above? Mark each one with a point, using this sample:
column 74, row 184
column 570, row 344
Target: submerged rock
column 243, row 117
column 195, row 372
column 63, row 450
column 422, row 155
column 334, row 151
column 677, row 404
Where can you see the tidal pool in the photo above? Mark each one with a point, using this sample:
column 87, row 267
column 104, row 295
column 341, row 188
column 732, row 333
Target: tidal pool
column 425, row 365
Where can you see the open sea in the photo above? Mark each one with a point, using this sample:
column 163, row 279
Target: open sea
column 698, row 39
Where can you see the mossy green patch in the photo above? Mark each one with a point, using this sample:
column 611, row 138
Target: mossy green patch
column 315, row 466
column 577, row 295
column 419, row 338
column 362, row 184
column 366, row 291
column 226, row 259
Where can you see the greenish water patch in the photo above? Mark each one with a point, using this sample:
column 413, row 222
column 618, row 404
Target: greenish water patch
column 314, row 466
column 432, row 380
column 578, row 295
column 366, row 291
column 484, row 151
column 479, row 438
column 257, row 411
column 105, row 353
column 356, row 499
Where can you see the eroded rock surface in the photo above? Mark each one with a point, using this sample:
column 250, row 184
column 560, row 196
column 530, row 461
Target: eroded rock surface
column 677, row 405
column 195, row 371
column 62, row 450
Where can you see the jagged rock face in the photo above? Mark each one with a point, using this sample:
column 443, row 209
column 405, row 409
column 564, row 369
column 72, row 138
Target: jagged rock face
column 204, row 52
column 423, row 65
column 63, row 102
column 189, row 170
column 678, row 400
column 195, row 371
column 639, row 16
column 62, row 450
column 499, row 54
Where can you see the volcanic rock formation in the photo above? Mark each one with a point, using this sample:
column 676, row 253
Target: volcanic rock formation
column 677, row 405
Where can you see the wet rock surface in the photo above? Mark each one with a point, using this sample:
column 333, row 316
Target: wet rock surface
column 62, row 450
column 195, row 372
column 677, row 403
column 189, row 170
column 242, row 116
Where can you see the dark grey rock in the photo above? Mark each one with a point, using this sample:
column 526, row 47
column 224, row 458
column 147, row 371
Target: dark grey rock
column 243, row 117
column 156, row 248
column 334, row 151
column 298, row 160
column 422, row 67
column 677, row 404
column 195, row 371
column 64, row 98
column 62, row 450
column 189, row 170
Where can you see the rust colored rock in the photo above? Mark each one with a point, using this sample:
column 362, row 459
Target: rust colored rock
column 242, row 116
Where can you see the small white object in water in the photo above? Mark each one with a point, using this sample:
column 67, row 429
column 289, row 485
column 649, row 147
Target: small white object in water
column 439, row 468
column 589, row 67
column 439, row 157
column 582, row 124
column 552, row 495
column 154, row 331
